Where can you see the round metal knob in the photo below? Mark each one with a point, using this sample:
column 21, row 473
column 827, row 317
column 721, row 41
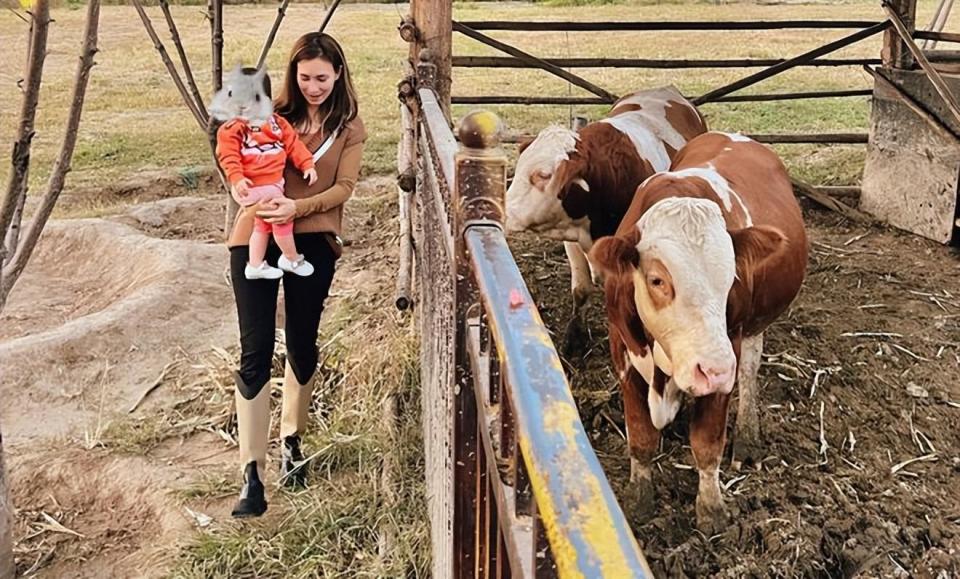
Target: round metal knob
column 480, row 130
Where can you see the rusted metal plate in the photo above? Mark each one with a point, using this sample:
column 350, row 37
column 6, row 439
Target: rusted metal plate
column 588, row 533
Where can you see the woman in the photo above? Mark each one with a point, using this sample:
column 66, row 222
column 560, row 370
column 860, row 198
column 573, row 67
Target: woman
column 319, row 100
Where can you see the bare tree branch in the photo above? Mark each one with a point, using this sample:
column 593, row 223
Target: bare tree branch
column 216, row 42
column 13, row 232
column 281, row 12
column 18, row 15
column 330, row 11
column 20, row 159
column 184, row 62
column 200, row 117
column 61, row 166
column 12, row 236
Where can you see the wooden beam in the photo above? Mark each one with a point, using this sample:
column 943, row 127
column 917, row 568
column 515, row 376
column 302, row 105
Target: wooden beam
column 793, row 62
column 549, row 100
column 938, row 36
column 825, row 200
column 912, row 103
column 433, row 20
column 782, row 139
column 527, row 100
column 516, row 52
column 894, row 53
column 823, row 138
column 660, row 26
column 938, row 83
column 510, row 62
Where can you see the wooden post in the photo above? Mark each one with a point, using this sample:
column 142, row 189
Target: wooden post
column 433, row 20
column 406, row 182
column 895, row 53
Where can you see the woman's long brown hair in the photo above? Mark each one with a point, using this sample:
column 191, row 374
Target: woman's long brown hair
column 340, row 107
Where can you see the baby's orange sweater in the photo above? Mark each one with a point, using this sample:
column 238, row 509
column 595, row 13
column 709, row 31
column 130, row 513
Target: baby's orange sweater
column 260, row 153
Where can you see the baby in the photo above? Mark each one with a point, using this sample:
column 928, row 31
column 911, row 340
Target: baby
column 252, row 146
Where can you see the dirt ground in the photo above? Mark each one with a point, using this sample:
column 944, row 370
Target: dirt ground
column 833, row 497
column 831, row 508
column 96, row 319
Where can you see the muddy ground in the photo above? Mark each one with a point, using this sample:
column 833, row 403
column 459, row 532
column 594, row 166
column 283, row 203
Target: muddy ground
column 812, row 508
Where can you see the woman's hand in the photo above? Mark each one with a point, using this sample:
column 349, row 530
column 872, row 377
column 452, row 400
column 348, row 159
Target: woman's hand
column 277, row 211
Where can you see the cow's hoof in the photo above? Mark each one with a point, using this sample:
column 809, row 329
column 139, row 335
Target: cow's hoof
column 712, row 518
column 746, row 450
column 639, row 500
column 574, row 338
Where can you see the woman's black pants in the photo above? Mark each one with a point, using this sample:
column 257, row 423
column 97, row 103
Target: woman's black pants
column 257, row 311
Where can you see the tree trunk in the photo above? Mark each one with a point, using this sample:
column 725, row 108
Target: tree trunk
column 16, row 189
column 7, row 567
column 14, row 267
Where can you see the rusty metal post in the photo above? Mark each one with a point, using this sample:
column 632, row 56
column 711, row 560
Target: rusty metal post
column 480, row 186
column 481, row 172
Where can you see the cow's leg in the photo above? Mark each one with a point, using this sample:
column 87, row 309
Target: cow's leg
column 746, row 438
column 642, row 437
column 707, row 437
column 581, row 286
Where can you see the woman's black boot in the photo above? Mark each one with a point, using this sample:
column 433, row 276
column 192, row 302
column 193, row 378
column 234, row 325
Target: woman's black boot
column 293, row 471
column 251, row 503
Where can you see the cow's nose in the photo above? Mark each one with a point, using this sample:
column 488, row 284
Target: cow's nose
column 718, row 377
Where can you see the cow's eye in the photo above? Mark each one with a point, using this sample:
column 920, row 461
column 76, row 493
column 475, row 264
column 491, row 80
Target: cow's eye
column 656, row 282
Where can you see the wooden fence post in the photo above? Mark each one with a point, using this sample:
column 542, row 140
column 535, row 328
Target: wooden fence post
column 433, row 22
column 895, row 53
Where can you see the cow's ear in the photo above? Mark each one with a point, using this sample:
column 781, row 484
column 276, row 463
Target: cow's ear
column 614, row 256
column 523, row 144
column 572, row 189
column 754, row 246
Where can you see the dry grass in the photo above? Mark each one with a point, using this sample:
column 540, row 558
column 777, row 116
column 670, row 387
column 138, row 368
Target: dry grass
column 135, row 122
column 334, row 529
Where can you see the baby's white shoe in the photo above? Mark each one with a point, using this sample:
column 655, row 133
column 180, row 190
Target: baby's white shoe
column 300, row 267
column 263, row 271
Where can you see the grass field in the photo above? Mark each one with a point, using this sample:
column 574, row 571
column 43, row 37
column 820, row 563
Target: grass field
column 135, row 122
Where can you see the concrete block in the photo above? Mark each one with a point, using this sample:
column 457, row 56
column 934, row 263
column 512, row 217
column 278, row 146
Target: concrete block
column 912, row 171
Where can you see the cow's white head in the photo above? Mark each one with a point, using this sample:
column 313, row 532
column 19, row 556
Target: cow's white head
column 682, row 262
column 534, row 198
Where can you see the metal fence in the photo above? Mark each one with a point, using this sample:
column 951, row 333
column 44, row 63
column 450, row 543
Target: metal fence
column 515, row 488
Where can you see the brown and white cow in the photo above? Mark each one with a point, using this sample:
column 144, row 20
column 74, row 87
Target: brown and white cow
column 707, row 256
column 576, row 187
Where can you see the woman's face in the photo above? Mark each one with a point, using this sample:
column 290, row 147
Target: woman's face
column 316, row 78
